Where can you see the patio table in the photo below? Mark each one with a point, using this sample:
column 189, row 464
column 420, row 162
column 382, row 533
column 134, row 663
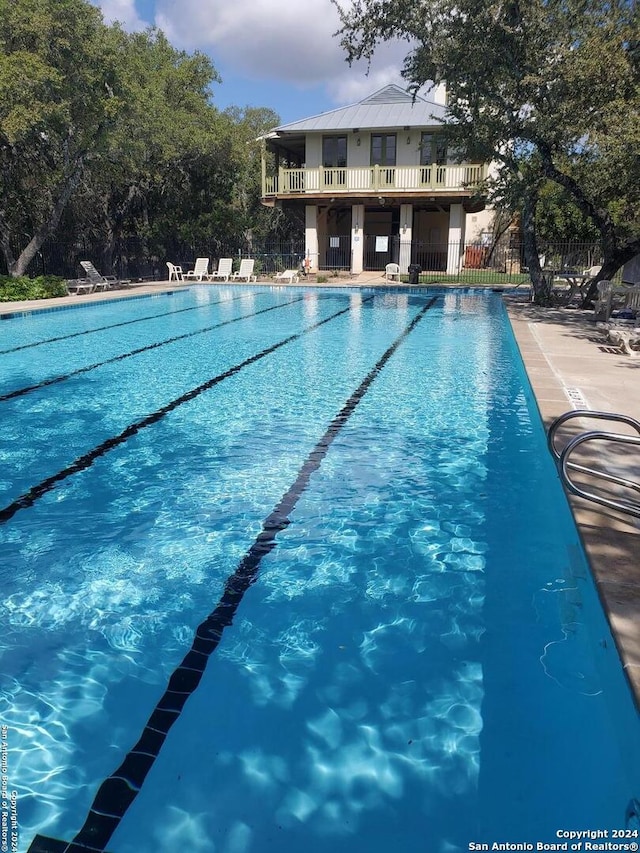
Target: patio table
column 577, row 285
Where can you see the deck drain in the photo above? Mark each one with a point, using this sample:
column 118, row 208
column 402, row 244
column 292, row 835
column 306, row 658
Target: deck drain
column 576, row 397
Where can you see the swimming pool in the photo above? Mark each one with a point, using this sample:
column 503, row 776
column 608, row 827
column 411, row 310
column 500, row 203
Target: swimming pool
column 340, row 503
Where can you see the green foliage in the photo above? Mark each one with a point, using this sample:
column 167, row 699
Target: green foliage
column 59, row 98
column 559, row 219
column 23, row 288
column 113, row 135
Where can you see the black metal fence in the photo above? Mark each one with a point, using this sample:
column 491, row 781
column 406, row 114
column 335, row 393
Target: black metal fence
column 130, row 258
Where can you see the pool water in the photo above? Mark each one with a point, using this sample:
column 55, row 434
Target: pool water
column 291, row 570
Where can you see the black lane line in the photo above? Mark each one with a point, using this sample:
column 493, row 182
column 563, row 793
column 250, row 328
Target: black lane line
column 85, row 461
column 117, row 325
column 119, row 790
column 19, row 392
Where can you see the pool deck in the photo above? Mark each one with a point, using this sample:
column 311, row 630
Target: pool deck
column 570, row 366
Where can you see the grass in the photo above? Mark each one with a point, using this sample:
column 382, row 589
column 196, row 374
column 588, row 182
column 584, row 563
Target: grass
column 474, row 277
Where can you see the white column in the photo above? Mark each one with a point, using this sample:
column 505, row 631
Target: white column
column 455, row 239
column 406, row 224
column 357, row 238
column 311, row 236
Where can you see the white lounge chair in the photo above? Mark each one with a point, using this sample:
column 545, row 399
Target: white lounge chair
column 223, row 272
column 245, row 273
column 291, row 276
column 79, row 285
column 175, row 272
column 199, row 271
column 392, row 272
column 627, row 339
column 99, row 281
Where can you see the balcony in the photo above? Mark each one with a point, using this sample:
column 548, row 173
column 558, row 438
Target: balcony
column 349, row 180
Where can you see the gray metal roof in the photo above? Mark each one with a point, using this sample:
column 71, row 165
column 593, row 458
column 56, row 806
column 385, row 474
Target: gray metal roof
column 388, row 107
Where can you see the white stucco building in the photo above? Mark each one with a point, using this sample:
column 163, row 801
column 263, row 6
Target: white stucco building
column 377, row 185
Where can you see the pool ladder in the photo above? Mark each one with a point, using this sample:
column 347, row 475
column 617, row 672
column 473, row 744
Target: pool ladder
column 629, row 505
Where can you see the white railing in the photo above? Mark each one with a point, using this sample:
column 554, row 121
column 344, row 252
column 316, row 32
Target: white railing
column 348, row 179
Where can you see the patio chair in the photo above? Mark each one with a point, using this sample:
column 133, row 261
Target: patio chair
column 632, row 300
column 224, row 270
column 175, row 272
column 392, row 272
column 592, row 272
column 199, row 271
column 99, row 281
column 292, row 276
column 245, row 273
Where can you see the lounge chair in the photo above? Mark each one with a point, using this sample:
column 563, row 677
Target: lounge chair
column 79, row 285
column 627, row 339
column 392, row 272
column 175, row 272
column 99, row 281
column 199, row 271
column 223, row 272
column 245, row 273
column 292, row 276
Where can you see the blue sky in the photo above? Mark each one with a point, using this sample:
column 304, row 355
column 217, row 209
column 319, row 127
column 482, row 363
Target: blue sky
column 269, row 53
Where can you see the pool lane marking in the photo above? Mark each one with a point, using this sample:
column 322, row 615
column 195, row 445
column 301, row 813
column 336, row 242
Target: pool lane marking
column 119, row 790
column 19, row 392
column 87, row 459
column 123, row 323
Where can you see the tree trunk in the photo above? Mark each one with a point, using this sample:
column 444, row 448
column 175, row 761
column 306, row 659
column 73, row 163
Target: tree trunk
column 541, row 285
column 18, row 266
column 5, row 244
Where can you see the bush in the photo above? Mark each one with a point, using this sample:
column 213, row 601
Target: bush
column 22, row 288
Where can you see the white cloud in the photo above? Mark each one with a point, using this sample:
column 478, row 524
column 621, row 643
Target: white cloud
column 123, row 11
column 289, row 42
column 283, row 40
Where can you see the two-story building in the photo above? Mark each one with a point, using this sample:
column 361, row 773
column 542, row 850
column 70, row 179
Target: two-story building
column 377, row 185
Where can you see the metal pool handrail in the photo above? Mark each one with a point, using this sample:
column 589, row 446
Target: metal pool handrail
column 565, row 465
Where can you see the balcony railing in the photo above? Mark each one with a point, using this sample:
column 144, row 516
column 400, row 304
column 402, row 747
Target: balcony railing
column 350, row 179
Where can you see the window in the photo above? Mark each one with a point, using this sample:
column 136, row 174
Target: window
column 433, row 149
column 383, row 149
column 334, row 151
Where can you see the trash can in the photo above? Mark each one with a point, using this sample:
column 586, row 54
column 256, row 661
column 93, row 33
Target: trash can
column 414, row 272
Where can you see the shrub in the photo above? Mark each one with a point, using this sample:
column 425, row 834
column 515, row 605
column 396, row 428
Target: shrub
column 22, row 288
column 321, row 279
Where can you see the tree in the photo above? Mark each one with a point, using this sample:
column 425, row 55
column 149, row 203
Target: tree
column 168, row 158
column 547, row 89
column 59, row 99
column 258, row 221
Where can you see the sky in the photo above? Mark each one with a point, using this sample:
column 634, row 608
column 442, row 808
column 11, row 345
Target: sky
column 269, row 53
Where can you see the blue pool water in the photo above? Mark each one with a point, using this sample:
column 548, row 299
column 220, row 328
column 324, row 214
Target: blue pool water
column 291, row 570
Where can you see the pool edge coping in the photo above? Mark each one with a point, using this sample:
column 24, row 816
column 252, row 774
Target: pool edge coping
column 608, row 538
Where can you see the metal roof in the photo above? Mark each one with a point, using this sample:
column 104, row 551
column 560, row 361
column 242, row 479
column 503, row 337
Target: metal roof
column 388, row 107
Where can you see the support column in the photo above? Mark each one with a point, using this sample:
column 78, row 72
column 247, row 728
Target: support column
column 406, row 225
column 455, row 248
column 357, row 238
column 311, row 236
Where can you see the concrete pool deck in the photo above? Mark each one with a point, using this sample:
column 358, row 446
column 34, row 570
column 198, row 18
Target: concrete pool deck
column 570, row 365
